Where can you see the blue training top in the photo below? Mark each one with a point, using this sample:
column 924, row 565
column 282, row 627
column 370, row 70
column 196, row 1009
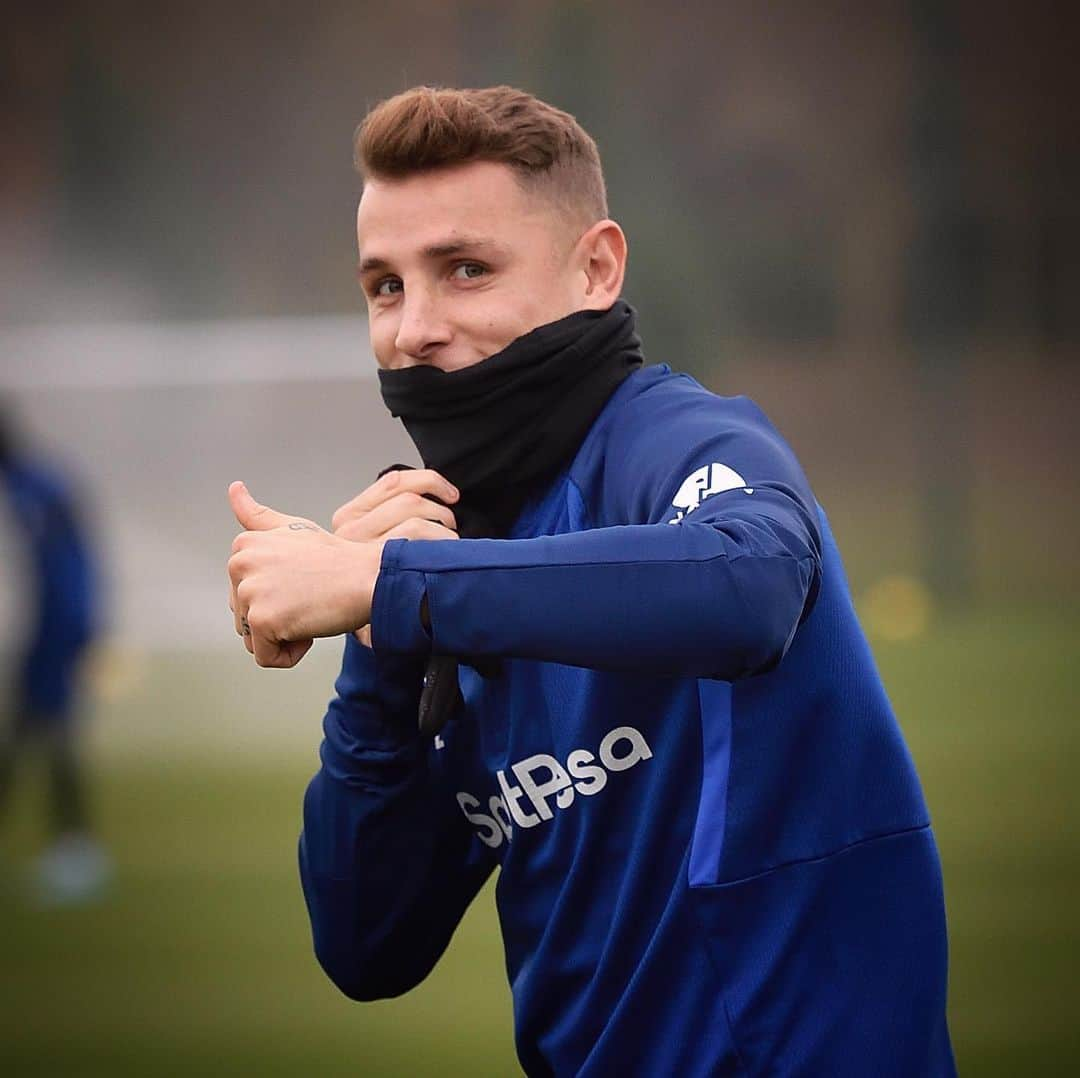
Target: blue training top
column 715, row 857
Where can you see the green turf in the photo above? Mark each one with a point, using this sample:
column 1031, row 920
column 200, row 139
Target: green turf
column 990, row 706
column 200, row 962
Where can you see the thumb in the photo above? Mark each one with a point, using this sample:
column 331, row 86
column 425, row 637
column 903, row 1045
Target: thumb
column 252, row 516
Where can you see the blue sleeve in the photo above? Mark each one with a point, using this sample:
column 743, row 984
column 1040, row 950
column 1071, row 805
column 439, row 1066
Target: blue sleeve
column 388, row 863
column 702, row 558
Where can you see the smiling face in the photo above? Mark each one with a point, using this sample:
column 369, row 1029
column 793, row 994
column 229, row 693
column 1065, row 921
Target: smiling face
column 457, row 262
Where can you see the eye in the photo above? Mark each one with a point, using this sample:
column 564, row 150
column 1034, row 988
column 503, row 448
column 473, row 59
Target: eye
column 468, row 271
column 388, row 286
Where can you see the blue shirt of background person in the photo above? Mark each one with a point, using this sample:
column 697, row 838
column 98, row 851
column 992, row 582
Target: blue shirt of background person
column 64, row 598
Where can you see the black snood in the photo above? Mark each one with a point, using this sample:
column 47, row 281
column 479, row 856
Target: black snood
column 503, row 427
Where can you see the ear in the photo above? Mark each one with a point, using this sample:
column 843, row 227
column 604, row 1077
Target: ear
column 602, row 252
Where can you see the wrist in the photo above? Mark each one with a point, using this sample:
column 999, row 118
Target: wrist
column 361, row 573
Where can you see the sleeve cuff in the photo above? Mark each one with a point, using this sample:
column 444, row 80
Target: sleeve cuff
column 395, row 607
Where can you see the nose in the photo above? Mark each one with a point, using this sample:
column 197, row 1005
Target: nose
column 423, row 330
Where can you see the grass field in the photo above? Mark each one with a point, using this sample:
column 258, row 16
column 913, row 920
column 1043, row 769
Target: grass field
column 200, row 963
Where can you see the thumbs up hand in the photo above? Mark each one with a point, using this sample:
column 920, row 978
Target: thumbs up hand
column 253, row 517
column 292, row 581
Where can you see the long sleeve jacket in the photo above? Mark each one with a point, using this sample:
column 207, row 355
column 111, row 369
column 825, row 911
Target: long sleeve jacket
column 714, row 855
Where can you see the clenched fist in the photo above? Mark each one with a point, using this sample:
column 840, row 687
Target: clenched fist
column 292, row 581
column 406, row 504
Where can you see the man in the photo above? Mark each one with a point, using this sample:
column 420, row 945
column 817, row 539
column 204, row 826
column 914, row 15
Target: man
column 714, row 854
column 64, row 612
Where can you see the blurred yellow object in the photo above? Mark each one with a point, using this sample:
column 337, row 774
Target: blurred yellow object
column 897, row 607
column 113, row 673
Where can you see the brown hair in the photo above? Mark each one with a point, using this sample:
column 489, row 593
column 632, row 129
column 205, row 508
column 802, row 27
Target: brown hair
column 429, row 128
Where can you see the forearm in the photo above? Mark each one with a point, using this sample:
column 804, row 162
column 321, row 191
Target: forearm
column 384, row 862
column 386, row 880
column 718, row 599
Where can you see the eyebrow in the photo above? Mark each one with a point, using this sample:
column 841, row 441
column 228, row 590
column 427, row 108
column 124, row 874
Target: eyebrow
column 434, row 251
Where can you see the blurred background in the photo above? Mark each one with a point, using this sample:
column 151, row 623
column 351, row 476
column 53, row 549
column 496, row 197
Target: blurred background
column 862, row 215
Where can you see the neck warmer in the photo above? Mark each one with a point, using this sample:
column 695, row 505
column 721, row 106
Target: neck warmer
column 500, row 429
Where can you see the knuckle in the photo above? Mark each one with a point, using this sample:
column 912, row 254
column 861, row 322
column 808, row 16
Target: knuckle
column 245, row 543
column 434, row 483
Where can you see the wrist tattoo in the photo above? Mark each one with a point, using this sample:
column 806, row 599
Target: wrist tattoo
column 301, row 526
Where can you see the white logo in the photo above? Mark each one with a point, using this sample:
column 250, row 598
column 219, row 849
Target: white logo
column 708, row 480
column 581, row 775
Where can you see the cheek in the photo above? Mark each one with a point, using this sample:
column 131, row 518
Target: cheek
column 488, row 323
column 382, row 332
column 504, row 325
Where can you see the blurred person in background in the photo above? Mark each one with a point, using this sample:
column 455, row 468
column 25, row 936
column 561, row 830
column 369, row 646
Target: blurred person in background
column 666, row 728
column 47, row 692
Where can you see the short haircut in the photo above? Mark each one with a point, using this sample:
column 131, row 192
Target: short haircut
column 428, row 128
